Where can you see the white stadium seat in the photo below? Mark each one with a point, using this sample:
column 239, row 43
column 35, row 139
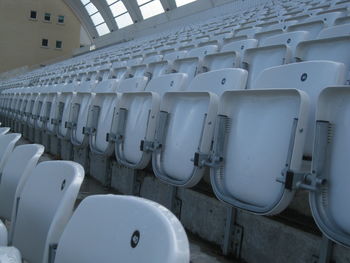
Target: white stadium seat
column 130, row 229
column 45, row 207
column 256, row 60
column 335, row 31
column 100, row 114
column 315, row 24
column 311, row 77
column 103, row 107
column 61, row 115
column 79, row 110
column 330, row 165
column 193, row 110
column 137, row 117
column 332, row 48
column 7, row 144
column 291, row 39
column 253, row 160
column 193, row 61
column 18, row 167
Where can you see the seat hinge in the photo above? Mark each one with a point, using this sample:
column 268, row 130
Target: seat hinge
column 310, row 181
column 146, row 146
column 44, row 119
column 111, row 137
column 89, row 130
column 70, row 125
column 55, row 121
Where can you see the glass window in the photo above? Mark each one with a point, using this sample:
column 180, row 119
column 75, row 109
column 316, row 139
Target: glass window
column 84, row 2
column 123, row 20
column 102, row 29
column 58, row 44
column 91, row 8
column 60, row 19
column 151, row 8
column 47, row 17
column 118, row 8
column 33, row 14
column 45, row 42
column 109, row 2
column 97, row 19
column 183, row 2
column 142, row 2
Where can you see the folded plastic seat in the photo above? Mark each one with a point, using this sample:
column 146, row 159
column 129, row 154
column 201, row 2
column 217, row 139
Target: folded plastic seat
column 262, row 135
column 186, row 123
column 130, row 229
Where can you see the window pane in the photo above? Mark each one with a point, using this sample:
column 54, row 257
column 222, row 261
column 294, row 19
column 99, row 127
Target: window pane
column 183, row 2
column 151, row 9
column 33, row 14
column 102, row 29
column 97, row 19
column 44, row 42
column 118, row 8
column 109, row 2
column 123, row 20
column 47, row 17
column 58, row 44
column 84, row 2
column 91, row 9
column 60, row 19
column 141, row 2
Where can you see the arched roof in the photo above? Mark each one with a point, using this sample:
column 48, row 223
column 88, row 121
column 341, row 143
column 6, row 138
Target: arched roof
column 100, row 17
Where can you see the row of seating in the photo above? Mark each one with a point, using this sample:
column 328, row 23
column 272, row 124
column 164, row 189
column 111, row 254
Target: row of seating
column 258, row 133
column 235, row 26
column 38, row 200
column 269, row 18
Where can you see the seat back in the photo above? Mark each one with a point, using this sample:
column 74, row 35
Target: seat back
column 290, row 39
column 19, row 165
column 218, row 81
column 330, row 165
column 4, row 130
column 45, row 207
column 342, row 20
column 200, row 52
column 239, row 46
column 7, row 143
column 106, row 228
column 334, row 49
column 311, row 77
column 256, row 60
column 193, row 60
column 313, row 27
column 335, row 31
column 248, row 32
